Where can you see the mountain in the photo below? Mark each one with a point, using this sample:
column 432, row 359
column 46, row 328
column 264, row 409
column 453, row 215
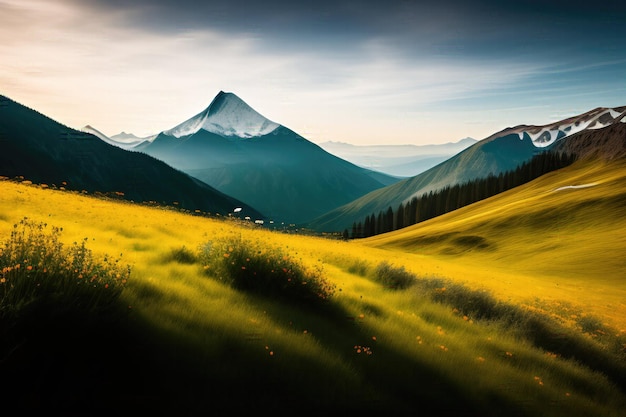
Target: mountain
column 130, row 139
column 238, row 151
column 500, row 152
column 397, row 160
column 121, row 140
column 45, row 151
column 607, row 143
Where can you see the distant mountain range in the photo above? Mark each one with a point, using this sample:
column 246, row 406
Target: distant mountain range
column 233, row 148
column 45, row 151
column 121, row 140
column 498, row 153
column 230, row 156
column 397, row 160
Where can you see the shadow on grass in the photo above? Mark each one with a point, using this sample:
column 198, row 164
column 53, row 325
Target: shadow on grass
column 541, row 330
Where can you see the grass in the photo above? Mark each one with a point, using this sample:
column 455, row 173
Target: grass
column 559, row 246
column 494, row 342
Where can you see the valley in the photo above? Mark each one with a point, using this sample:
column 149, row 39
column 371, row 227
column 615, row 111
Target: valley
column 513, row 304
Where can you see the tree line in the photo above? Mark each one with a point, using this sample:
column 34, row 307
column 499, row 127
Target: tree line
column 452, row 197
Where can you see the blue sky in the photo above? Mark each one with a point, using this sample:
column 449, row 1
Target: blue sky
column 363, row 72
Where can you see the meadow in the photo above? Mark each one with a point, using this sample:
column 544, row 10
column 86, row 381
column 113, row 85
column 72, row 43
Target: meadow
column 513, row 305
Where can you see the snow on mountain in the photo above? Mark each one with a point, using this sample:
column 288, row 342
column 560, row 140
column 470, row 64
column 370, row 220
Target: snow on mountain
column 543, row 136
column 129, row 138
column 98, row 134
column 127, row 141
column 227, row 115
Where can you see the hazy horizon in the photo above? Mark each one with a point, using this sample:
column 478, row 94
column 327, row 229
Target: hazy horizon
column 364, row 73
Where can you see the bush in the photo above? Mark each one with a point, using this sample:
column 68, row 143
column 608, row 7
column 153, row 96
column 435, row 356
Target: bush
column 267, row 271
column 395, row 278
column 182, row 255
column 359, row 267
column 38, row 274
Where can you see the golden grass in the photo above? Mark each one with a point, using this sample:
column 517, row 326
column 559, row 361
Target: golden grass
column 534, row 254
column 535, row 242
column 564, row 246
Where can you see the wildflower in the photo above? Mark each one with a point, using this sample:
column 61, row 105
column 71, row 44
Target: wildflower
column 363, row 349
column 480, row 359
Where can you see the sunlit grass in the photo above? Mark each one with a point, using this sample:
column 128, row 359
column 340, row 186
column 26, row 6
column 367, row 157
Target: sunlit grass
column 377, row 347
column 564, row 246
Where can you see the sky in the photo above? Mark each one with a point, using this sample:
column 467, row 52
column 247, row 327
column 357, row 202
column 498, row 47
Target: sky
column 361, row 72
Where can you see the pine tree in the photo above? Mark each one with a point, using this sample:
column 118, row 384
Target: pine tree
column 400, row 217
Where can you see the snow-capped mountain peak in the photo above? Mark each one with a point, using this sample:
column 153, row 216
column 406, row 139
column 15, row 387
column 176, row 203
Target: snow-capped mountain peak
column 227, row 115
column 543, row 136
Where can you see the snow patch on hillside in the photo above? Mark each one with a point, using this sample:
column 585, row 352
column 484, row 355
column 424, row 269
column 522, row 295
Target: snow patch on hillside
column 575, row 187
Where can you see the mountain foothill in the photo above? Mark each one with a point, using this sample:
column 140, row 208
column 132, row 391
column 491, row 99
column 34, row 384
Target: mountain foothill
column 230, row 157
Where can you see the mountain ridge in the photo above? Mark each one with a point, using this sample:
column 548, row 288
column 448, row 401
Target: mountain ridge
column 268, row 165
column 498, row 153
column 405, row 160
column 43, row 150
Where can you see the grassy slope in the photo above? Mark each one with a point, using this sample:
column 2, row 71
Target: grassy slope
column 201, row 345
column 533, row 241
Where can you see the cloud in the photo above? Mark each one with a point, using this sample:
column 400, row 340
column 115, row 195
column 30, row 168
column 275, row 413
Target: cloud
column 344, row 68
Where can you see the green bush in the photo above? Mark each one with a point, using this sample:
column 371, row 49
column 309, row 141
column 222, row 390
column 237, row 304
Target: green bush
column 395, row 278
column 269, row 271
column 38, row 274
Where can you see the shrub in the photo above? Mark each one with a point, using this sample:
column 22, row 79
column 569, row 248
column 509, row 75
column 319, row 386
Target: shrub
column 267, row 271
column 395, row 278
column 182, row 255
column 359, row 267
column 38, row 274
